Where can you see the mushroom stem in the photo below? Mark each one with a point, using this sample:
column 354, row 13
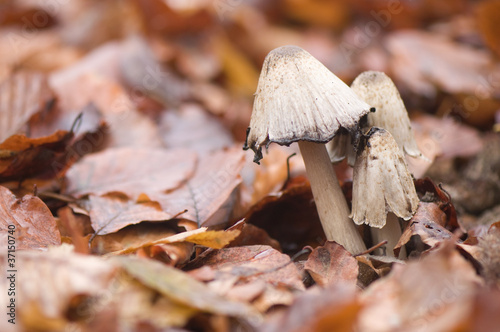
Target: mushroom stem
column 390, row 232
column 330, row 201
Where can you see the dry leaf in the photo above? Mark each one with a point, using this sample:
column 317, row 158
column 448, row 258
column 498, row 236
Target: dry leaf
column 51, row 285
column 23, row 157
column 145, row 74
column 410, row 300
column 334, row 309
column 426, row 224
column 21, row 96
column 250, row 235
column 35, row 227
column 456, row 68
column 253, row 263
column 332, row 264
column 192, row 127
column 180, row 287
column 488, row 15
column 141, row 237
column 131, row 171
column 112, row 212
column 76, row 88
column 207, row 196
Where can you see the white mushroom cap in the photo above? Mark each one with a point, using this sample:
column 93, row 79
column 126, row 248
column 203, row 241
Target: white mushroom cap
column 381, row 182
column 377, row 89
column 298, row 98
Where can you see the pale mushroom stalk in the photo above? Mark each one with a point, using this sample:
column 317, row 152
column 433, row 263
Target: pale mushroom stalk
column 330, row 201
column 390, row 232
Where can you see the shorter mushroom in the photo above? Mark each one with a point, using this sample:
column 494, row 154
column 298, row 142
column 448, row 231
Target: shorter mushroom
column 377, row 89
column 382, row 184
column 299, row 100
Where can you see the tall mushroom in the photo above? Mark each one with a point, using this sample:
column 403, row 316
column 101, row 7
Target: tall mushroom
column 382, row 184
column 299, row 100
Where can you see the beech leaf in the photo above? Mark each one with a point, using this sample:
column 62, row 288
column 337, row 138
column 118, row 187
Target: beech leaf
column 131, row 171
column 35, row 227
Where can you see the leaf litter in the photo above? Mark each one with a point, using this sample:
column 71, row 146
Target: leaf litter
column 121, row 127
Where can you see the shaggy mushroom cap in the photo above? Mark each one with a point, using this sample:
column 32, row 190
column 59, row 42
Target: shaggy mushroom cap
column 381, row 182
column 298, row 98
column 377, row 88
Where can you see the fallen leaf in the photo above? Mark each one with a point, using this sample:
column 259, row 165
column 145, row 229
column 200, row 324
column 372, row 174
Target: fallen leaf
column 487, row 16
column 192, row 127
column 140, row 239
column 21, row 96
column 181, row 288
column 214, row 239
column 50, row 285
column 430, row 192
column 145, row 74
column 200, row 236
column 208, row 195
column 138, row 305
column 335, row 308
column 332, row 264
column 34, row 225
column 251, row 235
column 169, row 21
column 426, row 223
column 456, row 68
column 251, row 263
column 410, row 300
column 127, row 127
column 131, row 171
column 452, row 138
column 23, row 157
column 111, row 212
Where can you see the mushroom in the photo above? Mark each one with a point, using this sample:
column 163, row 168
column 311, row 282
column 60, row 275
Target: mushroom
column 382, row 184
column 299, row 100
column 377, row 89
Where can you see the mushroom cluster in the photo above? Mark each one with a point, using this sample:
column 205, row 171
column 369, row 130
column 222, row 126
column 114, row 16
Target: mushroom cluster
column 299, row 100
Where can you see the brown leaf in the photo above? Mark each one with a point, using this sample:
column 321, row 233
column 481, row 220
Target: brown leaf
column 21, row 96
column 76, row 88
column 426, row 224
column 142, row 237
column 331, row 264
column 131, row 171
column 251, row 263
column 23, row 157
column 250, row 235
column 35, row 227
column 452, row 138
column 430, row 294
column 334, row 309
column 111, row 212
column 191, row 127
column 456, row 68
column 52, row 284
column 145, row 74
column 430, row 192
column 207, row 196
column 488, row 15
column 200, row 236
column 173, row 22
column 180, row 287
